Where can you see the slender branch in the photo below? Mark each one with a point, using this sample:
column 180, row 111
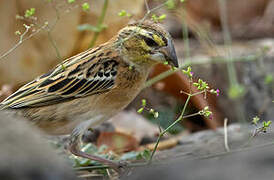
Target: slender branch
column 191, row 115
column 197, row 93
column 151, row 11
column 22, row 39
column 147, row 7
column 168, row 128
column 180, row 117
column 232, row 73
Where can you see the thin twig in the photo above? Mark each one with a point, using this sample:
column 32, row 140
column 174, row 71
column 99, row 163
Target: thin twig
column 22, row 39
column 52, row 41
column 54, row 44
column 168, row 128
column 147, row 7
column 232, row 73
column 152, row 10
column 225, row 135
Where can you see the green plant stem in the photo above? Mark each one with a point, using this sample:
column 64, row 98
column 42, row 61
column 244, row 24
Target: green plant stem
column 232, row 74
column 54, row 45
column 99, row 23
column 168, row 128
column 189, row 62
column 197, row 93
column 52, row 41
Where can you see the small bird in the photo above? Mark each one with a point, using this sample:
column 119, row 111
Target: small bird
column 92, row 86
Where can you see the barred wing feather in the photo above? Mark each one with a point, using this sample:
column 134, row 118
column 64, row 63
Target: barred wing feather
column 76, row 81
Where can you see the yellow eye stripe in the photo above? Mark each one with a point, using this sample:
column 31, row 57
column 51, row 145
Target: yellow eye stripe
column 146, row 33
column 145, row 46
column 158, row 40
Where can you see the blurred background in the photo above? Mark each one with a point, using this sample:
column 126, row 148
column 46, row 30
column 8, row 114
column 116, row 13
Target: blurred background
column 228, row 43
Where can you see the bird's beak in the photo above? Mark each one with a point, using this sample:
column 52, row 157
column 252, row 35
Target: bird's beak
column 170, row 53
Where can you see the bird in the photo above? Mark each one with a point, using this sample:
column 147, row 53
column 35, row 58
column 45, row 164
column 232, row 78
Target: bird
column 92, row 86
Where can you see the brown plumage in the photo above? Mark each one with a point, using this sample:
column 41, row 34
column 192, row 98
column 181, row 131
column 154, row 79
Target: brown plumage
column 94, row 85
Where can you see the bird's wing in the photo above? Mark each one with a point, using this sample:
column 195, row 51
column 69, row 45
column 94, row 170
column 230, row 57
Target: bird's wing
column 69, row 80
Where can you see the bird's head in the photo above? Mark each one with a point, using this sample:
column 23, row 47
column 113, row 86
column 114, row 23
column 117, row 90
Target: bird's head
column 146, row 43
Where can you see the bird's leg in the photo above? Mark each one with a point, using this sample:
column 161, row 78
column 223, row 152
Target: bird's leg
column 74, row 148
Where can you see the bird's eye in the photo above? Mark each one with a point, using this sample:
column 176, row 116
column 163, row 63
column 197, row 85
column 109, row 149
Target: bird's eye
column 150, row 42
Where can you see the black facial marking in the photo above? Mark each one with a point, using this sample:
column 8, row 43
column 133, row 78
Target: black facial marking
column 149, row 41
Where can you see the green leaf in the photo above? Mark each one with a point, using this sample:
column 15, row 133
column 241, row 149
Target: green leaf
column 17, row 33
column 29, row 12
column 71, row 1
column 85, row 6
column 140, row 110
column 156, row 18
column 162, row 17
column 267, row 124
column 170, row 4
column 146, row 154
column 122, row 13
column 255, row 120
